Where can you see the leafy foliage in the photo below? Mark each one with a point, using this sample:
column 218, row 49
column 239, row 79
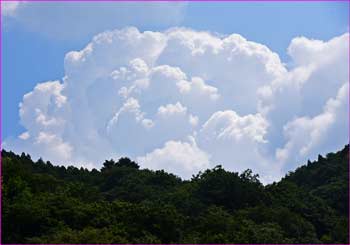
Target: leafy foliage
column 122, row 203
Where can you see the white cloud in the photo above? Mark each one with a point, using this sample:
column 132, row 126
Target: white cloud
column 24, row 136
column 318, row 70
column 229, row 125
column 142, row 94
column 180, row 158
column 44, row 109
column 170, row 109
column 236, row 141
column 326, row 132
column 232, row 64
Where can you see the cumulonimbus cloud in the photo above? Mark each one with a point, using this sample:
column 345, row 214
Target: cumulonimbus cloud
column 184, row 101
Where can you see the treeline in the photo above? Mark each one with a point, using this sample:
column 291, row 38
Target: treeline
column 43, row 203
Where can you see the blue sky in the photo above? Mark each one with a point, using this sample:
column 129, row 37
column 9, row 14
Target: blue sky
column 33, row 53
column 39, row 58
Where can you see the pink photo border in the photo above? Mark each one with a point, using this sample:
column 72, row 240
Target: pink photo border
column 153, row 1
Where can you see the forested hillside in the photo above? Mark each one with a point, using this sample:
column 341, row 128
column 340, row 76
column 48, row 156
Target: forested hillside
column 43, row 203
